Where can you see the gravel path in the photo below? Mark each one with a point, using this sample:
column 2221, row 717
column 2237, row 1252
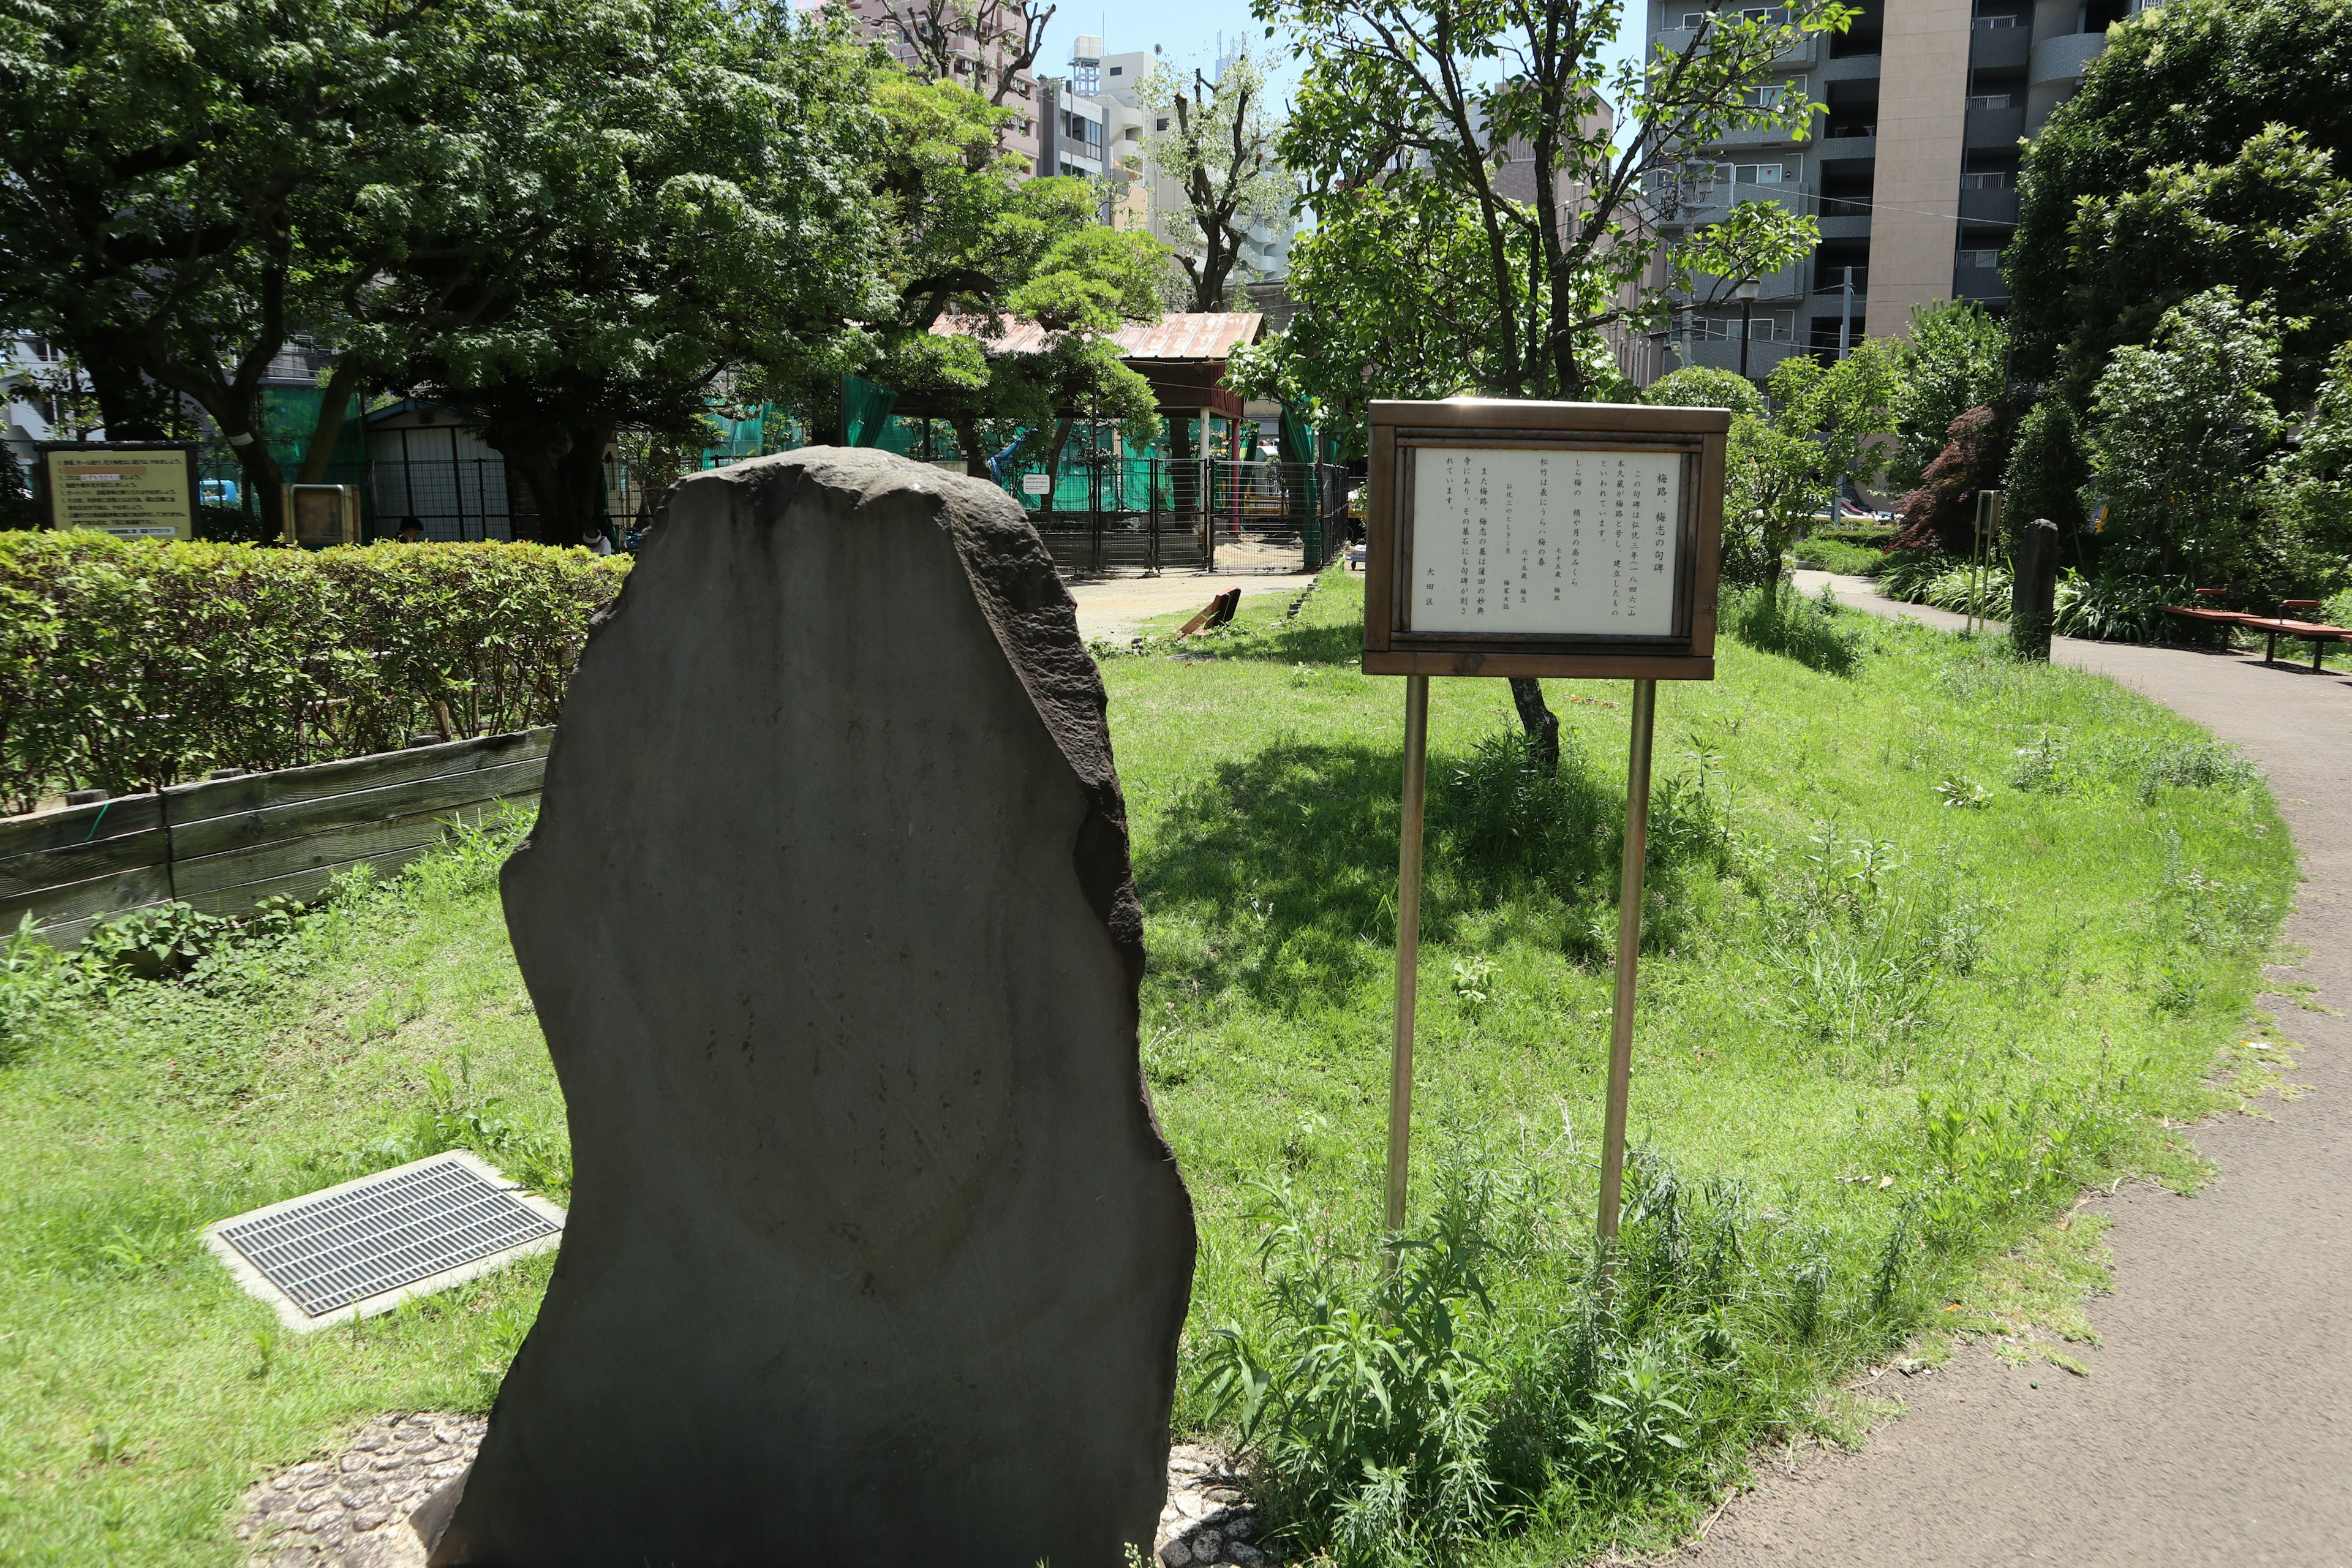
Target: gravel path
column 2216, row 1424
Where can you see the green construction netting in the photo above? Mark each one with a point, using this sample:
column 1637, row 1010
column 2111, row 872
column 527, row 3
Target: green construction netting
column 864, row 410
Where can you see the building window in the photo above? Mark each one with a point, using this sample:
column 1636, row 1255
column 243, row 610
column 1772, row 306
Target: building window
column 1162, row 125
column 1989, row 180
column 1987, row 19
column 1119, row 70
column 1979, row 258
column 1769, row 95
column 1751, row 174
column 1993, row 100
column 1772, row 327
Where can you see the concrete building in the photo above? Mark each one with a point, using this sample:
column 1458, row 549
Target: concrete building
column 1911, row 170
column 977, row 62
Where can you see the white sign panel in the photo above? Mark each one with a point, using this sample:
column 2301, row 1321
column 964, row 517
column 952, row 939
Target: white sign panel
column 1563, row 542
column 1036, row 484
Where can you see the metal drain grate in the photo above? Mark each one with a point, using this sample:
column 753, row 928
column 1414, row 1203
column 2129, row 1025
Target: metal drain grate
column 325, row 1252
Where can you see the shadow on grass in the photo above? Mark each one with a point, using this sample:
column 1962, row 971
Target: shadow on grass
column 1278, row 874
column 1794, row 626
column 1293, row 642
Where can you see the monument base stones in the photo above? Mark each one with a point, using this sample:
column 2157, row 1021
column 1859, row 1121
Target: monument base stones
column 876, row 1255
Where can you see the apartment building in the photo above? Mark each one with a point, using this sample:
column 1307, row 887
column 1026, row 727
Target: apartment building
column 978, row 54
column 1911, row 169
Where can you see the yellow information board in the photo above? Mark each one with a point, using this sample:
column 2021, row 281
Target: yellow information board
column 130, row 489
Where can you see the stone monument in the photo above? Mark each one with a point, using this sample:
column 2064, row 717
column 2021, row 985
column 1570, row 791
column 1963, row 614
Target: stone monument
column 876, row 1253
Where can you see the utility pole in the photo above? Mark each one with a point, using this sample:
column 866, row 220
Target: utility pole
column 1747, row 292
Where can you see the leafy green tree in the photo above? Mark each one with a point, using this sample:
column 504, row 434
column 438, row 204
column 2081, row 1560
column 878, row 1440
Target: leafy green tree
column 1478, row 137
column 1826, row 424
column 2046, row 472
column 704, row 227
column 1956, row 359
column 1220, row 148
column 173, row 177
column 970, row 246
column 2205, row 147
column 2310, row 487
column 2179, row 429
column 1784, row 457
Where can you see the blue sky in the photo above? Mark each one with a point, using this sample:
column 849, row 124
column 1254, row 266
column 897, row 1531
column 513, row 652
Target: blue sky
column 1189, row 32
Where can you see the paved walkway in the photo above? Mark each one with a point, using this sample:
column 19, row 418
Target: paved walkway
column 2216, row 1424
column 1114, row 608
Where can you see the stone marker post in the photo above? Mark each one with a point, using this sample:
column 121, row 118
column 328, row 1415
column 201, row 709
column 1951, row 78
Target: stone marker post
column 876, row 1253
column 2034, row 590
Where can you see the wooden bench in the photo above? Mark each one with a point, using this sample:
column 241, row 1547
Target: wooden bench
column 2272, row 628
column 2317, row 634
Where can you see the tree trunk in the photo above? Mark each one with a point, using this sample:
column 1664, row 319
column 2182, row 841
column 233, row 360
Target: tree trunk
column 967, row 435
column 566, row 478
column 1542, row 724
column 132, row 407
column 1053, row 461
column 328, row 429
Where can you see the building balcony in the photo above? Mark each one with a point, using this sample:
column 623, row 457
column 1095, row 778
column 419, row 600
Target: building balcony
column 1995, row 127
column 1999, row 48
column 1723, row 353
column 1989, row 206
column 2063, row 57
column 1839, row 226
column 1982, row 284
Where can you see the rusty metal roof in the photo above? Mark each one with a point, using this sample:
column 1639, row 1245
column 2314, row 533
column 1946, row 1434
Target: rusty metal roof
column 1179, row 335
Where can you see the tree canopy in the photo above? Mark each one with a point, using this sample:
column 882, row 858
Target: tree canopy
column 1476, row 223
column 2208, row 145
column 1219, row 148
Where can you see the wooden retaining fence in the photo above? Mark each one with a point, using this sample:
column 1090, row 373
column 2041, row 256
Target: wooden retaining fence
column 225, row 844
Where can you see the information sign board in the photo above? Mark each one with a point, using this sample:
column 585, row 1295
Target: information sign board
column 1543, row 539
column 132, row 489
column 318, row 516
column 1036, row 484
column 1529, row 540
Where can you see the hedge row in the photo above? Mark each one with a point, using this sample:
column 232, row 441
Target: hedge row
column 130, row 666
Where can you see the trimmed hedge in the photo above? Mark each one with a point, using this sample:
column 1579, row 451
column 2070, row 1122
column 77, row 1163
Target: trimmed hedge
column 130, row 665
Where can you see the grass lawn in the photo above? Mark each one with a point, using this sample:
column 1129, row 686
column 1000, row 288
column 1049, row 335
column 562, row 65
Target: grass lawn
column 1936, row 938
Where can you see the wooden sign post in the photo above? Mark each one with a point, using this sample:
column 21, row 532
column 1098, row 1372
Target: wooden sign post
column 1571, row 540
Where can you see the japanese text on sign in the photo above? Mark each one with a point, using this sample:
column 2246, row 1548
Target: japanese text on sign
column 1567, row 543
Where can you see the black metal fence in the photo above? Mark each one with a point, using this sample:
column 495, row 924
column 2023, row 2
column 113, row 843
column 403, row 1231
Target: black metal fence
column 1121, row 515
column 1149, row 514
column 455, row 499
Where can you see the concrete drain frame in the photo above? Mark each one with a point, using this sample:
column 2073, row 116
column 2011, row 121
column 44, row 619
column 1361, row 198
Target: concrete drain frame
column 361, row 1247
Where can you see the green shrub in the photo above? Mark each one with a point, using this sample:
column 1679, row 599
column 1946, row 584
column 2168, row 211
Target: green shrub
column 130, row 666
column 2115, row 606
column 1959, row 588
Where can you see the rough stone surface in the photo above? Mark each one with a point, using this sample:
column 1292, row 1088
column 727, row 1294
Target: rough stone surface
column 876, row 1253
column 1193, row 1475
column 352, row 1511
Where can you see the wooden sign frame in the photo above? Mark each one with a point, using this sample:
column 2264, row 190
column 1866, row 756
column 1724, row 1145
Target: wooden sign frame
column 346, row 506
column 1402, row 430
